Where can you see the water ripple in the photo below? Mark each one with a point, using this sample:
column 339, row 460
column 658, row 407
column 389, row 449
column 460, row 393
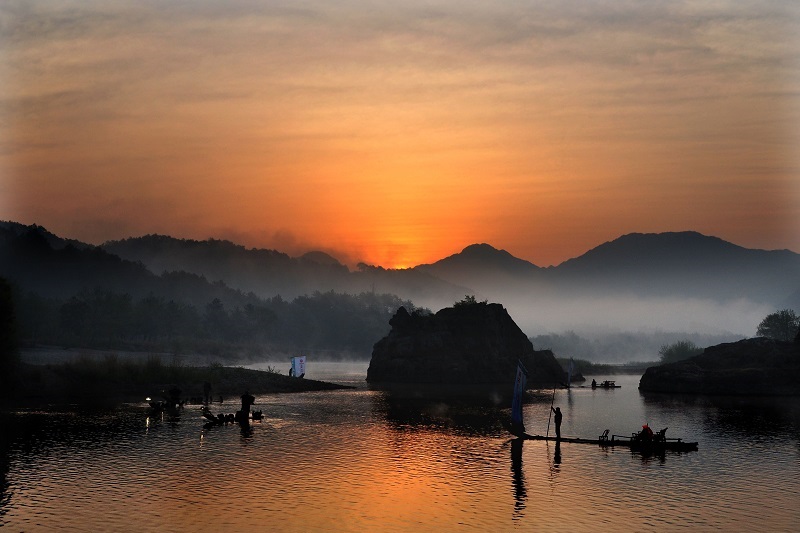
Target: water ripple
column 359, row 461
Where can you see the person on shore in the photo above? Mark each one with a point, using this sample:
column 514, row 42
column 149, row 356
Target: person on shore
column 557, row 420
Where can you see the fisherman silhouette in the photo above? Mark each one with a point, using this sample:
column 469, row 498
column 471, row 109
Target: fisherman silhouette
column 557, row 420
column 247, row 401
column 174, row 400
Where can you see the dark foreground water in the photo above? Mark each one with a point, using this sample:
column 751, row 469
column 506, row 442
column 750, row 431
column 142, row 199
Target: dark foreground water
column 363, row 460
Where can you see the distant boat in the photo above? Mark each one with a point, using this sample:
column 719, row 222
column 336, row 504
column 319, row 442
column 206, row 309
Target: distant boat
column 607, row 384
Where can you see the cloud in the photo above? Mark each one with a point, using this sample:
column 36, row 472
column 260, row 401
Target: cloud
column 602, row 114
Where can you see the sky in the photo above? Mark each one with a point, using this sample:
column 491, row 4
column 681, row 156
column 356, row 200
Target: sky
column 398, row 133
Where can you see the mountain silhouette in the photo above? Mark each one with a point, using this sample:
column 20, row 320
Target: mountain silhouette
column 663, row 265
column 268, row 273
column 480, row 260
column 686, row 264
column 39, row 262
column 669, row 284
column 264, row 272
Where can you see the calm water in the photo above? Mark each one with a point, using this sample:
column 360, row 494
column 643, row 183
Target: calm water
column 363, row 460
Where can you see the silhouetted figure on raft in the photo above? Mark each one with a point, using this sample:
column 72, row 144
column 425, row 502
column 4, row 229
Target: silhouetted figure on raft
column 243, row 416
column 174, row 398
column 247, row 401
column 557, row 420
column 646, row 434
column 594, row 384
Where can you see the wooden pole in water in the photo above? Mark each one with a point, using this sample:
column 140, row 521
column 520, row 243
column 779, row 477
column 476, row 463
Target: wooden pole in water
column 550, row 412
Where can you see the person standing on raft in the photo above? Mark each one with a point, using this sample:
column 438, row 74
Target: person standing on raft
column 557, row 420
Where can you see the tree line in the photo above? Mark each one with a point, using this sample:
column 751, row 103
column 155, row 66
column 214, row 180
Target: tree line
column 781, row 326
column 100, row 318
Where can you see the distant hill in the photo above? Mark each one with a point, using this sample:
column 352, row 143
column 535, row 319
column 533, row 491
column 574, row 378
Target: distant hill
column 671, row 282
column 264, row 272
column 663, row 265
column 84, row 296
column 683, row 264
column 658, row 265
column 9, row 228
column 268, row 273
column 36, row 260
column 481, row 264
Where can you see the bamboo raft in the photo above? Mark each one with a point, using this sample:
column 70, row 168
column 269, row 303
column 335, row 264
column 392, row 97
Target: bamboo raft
column 670, row 444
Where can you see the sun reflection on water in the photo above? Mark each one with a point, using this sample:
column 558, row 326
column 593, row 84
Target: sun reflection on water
column 364, row 461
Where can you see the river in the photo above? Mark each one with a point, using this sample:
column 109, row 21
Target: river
column 362, row 460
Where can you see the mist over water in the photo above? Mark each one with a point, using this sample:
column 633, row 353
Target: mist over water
column 601, row 315
column 626, row 328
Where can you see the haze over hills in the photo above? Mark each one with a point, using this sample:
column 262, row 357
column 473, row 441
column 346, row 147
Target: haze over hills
column 724, row 283
column 668, row 282
column 685, row 264
column 268, row 273
column 682, row 281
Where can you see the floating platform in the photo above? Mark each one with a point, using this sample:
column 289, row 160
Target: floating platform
column 677, row 445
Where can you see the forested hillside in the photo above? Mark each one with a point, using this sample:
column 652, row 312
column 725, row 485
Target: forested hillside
column 83, row 296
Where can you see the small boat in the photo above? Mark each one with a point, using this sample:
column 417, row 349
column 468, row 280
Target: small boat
column 607, row 384
column 220, row 419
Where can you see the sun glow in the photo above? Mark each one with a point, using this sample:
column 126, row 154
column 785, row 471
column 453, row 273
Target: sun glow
column 400, row 145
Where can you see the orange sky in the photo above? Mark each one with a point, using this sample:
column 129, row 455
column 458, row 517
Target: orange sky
column 398, row 134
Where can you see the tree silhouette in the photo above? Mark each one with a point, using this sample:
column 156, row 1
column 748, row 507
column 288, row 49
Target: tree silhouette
column 678, row 351
column 780, row 325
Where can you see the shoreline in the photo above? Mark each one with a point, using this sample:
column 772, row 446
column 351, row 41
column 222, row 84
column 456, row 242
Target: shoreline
column 111, row 381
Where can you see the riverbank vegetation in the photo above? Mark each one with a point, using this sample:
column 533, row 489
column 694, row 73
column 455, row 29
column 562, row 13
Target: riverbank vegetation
column 111, row 378
column 678, row 351
column 781, row 325
column 338, row 324
column 583, row 367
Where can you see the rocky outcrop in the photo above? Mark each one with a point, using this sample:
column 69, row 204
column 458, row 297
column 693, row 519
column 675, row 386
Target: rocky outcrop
column 758, row 366
column 469, row 344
